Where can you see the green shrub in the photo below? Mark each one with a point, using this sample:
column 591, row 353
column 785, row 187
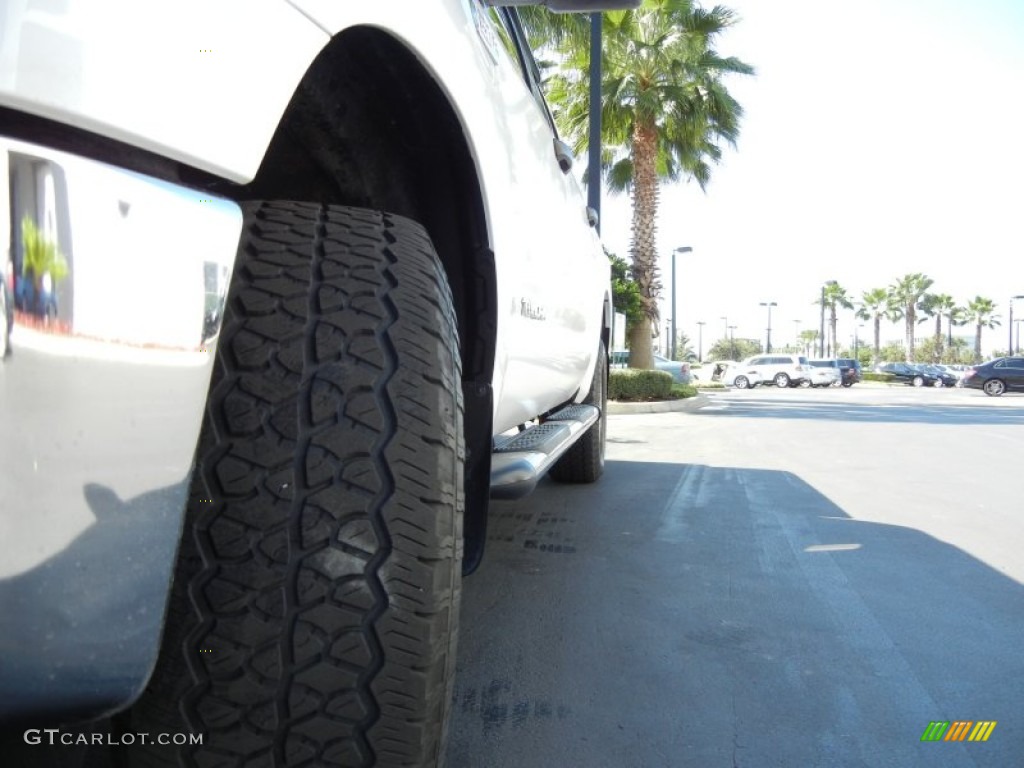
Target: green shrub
column 680, row 391
column 710, row 385
column 886, row 378
column 636, row 384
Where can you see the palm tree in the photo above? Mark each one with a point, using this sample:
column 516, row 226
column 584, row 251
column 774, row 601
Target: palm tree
column 808, row 339
column 874, row 305
column 929, row 307
column 906, row 293
column 943, row 305
column 982, row 314
column 665, row 113
column 957, row 316
column 833, row 297
column 684, row 347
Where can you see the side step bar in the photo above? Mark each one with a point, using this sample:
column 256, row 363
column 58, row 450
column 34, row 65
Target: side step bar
column 521, row 460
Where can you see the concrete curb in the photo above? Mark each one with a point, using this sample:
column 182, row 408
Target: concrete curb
column 661, row 406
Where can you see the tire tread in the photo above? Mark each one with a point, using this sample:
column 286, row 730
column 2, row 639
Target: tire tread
column 315, row 607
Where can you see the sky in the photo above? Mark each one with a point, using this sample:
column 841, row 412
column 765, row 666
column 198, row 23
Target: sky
column 880, row 138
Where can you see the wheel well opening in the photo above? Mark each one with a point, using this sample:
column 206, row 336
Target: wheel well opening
column 369, row 127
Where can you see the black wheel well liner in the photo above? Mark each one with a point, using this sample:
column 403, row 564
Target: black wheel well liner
column 370, row 127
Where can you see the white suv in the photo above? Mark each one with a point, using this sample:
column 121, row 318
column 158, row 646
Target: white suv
column 780, row 370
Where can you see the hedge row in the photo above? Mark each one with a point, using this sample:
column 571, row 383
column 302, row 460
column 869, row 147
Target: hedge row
column 886, row 378
column 635, row 384
column 680, row 391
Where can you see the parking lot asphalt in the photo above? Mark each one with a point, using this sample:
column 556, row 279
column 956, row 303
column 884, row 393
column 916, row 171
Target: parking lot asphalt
column 781, row 578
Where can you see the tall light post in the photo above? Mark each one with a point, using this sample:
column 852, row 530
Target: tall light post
column 700, row 341
column 680, row 249
column 1016, row 347
column 725, row 336
column 732, row 343
column 594, row 142
column 821, row 341
column 1009, row 349
column 769, row 304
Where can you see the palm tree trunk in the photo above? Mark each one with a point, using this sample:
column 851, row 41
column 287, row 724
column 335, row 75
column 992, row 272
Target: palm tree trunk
column 938, row 337
column 911, row 321
column 977, row 343
column 834, row 351
column 645, row 210
column 878, row 339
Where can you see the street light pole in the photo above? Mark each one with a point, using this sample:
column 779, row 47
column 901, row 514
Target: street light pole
column 680, row 249
column 769, row 304
column 732, row 343
column 725, row 336
column 700, row 341
column 821, row 340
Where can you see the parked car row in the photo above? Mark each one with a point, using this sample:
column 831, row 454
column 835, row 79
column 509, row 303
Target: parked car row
column 1005, row 374
column 786, row 370
column 848, row 369
column 920, row 374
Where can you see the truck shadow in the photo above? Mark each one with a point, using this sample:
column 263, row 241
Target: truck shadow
column 690, row 615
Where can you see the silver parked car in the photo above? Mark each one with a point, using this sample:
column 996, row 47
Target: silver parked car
column 825, row 373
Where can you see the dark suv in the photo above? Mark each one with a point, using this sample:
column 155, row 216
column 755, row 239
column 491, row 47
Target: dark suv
column 850, row 370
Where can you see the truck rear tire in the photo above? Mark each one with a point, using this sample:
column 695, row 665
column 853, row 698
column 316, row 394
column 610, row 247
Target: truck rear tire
column 584, row 461
column 314, row 610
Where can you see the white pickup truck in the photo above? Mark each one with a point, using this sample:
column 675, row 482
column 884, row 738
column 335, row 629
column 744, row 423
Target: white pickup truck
column 291, row 289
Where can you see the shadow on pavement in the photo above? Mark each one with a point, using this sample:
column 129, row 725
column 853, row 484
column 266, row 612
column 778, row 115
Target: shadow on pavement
column 690, row 615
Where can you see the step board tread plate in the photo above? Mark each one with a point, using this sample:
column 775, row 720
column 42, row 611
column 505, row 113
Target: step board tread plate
column 519, row 463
